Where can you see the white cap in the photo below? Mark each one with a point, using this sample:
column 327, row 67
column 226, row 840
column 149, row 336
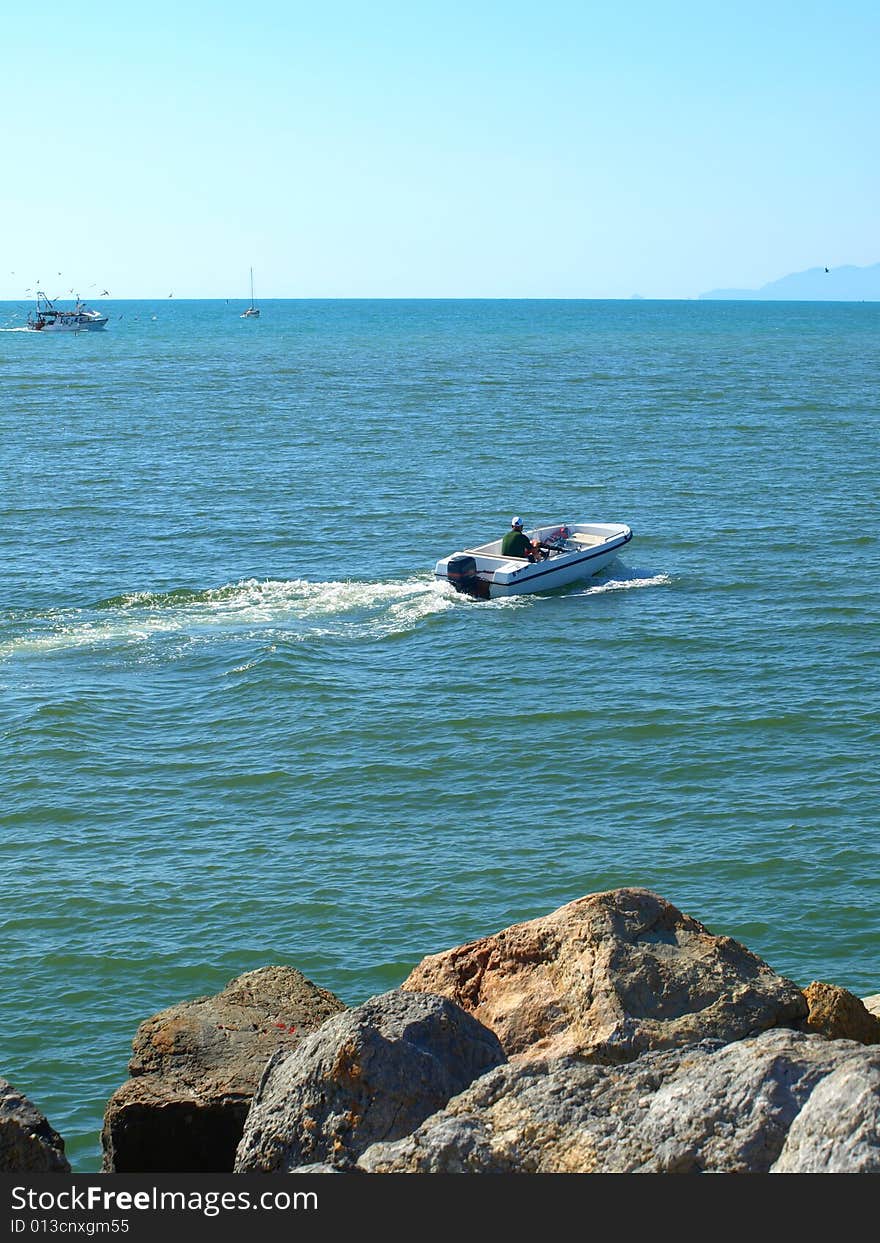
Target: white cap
column 516, row 522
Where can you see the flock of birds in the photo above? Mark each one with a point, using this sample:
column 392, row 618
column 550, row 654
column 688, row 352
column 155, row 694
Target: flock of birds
column 105, row 293
column 35, row 289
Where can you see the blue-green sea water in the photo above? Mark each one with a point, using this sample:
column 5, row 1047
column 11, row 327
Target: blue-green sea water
column 242, row 724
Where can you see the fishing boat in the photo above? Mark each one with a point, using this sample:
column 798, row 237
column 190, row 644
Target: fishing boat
column 253, row 312
column 47, row 317
column 563, row 553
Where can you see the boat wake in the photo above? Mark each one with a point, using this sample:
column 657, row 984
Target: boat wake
column 148, row 626
column 269, row 611
column 297, row 603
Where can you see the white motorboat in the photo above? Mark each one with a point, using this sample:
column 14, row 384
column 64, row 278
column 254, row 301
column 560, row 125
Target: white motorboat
column 564, row 553
column 49, row 318
column 253, row 311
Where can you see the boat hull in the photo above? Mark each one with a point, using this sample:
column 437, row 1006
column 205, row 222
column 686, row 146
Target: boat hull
column 89, row 325
column 587, row 549
column 541, row 577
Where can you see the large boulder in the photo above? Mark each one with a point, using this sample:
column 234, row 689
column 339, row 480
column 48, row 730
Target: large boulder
column 707, row 1108
column 28, row 1144
column 838, row 1129
column 372, row 1073
column 839, row 1015
column 195, row 1067
column 610, row 976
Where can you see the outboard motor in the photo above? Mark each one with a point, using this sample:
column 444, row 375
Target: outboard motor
column 462, row 575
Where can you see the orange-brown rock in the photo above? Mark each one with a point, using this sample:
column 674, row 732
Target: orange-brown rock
column 610, row 976
column 840, row 1015
column 195, row 1067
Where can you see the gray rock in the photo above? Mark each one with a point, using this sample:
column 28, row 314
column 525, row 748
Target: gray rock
column 708, row 1108
column 562, row 1116
column 732, row 1114
column 28, row 1144
column 838, row 1129
column 372, row 1073
column 195, row 1068
column 872, row 1004
column 609, row 977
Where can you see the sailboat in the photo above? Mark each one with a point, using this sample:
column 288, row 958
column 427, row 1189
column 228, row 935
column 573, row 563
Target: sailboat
column 253, row 312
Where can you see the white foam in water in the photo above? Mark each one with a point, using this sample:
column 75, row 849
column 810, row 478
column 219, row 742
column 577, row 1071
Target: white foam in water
column 623, row 584
column 269, row 599
column 287, row 609
column 293, row 611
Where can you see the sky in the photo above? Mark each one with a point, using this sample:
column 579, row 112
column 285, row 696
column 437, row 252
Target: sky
column 489, row 149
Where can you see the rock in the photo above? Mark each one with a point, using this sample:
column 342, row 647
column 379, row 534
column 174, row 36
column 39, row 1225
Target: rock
column 372, row 1073
column 195, row 1068
column 610, row 976
column 28, row 1144
column 710, row 1108
column 838, row 1129
column 733, row 1114
column 840, row 1015
column 872, row 1004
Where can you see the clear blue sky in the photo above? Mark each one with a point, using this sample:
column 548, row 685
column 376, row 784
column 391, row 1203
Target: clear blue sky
column 545, row 149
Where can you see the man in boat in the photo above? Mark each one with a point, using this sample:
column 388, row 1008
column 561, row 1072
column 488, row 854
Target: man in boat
column 517, row 544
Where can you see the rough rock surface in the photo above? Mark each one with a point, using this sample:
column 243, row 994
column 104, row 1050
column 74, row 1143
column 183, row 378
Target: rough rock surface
column 716, row 1108
column 196, row 1066
column 610, row 976
column 840, row 1015
column 872, row 1004
column 372, row 1073
column 838, row 1129
column 28, row 1144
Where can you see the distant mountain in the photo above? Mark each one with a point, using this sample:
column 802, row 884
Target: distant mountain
column 846, row 284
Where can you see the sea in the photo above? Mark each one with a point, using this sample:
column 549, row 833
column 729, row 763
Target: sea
column 243, row 724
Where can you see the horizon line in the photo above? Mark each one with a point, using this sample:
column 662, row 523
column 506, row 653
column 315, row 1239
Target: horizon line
column 436, row 298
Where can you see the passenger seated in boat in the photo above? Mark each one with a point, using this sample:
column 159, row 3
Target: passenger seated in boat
column 517, row 544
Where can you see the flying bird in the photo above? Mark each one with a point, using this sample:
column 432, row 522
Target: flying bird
column 105, row 293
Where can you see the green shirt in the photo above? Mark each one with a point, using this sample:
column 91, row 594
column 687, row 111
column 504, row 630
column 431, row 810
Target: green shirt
column 516, row 544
